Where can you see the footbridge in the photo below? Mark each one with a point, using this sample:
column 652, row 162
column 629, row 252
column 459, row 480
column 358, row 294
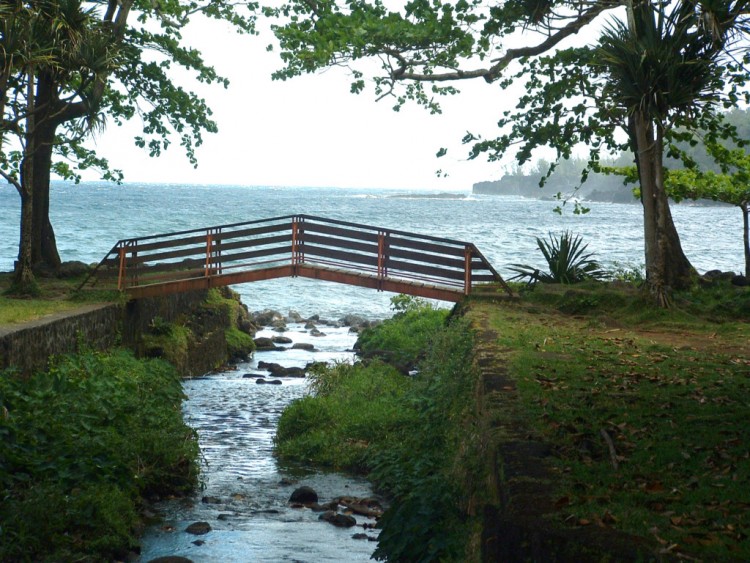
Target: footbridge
column 291, row 246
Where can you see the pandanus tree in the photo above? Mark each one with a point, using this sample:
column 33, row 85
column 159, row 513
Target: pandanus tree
column 642, row 71
column 86, row 63
column 42, row 43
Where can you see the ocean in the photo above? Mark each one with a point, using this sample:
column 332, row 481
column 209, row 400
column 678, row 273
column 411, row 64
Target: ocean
column 91, row 217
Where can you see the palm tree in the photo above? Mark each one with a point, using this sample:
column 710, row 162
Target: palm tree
column 661, row 64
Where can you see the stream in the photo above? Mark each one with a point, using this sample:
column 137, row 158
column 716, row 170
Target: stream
column 245, row 490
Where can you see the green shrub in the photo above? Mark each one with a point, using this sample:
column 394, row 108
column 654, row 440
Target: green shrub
column 404, row 338
column 354, row 408
column 239, row 344
column 566, row 258
column 408, row 433
column 80, row 445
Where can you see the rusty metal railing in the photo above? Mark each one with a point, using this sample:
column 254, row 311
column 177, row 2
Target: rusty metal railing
column 295, row 245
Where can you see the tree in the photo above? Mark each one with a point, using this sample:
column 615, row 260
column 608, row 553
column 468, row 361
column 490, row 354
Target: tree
column 731, row 186
column 114, row 59
column 652, row 68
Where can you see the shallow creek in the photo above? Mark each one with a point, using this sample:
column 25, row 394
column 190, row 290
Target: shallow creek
column 249, row 514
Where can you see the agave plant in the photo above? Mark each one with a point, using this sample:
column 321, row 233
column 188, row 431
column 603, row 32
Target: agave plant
column 567, row 259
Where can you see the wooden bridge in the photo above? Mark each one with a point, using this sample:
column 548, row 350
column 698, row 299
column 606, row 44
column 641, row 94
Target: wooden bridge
column 295, row 245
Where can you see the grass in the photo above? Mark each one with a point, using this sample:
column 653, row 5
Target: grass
column 407, row 433
column 670, row 390
column 56, row 295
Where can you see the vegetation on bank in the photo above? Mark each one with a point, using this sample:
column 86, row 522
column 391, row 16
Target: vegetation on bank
column 408, row 433
column 173, row 340
column 645, row 411
column 82, row 445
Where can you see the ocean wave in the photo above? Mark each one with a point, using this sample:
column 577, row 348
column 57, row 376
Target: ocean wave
column 439, row 195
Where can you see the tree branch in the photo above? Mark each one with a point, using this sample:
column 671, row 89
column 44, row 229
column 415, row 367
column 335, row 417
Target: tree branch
column 492, row 73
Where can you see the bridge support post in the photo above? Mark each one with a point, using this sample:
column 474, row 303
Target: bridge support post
column 467, row 269
column 298, row 249
column 121, row 270
column 207, row 267
column 382, row 258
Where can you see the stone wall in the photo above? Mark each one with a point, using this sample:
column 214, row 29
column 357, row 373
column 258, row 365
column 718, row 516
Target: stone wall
column 28, row 346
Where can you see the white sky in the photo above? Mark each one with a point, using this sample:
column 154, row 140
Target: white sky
column 311, row 131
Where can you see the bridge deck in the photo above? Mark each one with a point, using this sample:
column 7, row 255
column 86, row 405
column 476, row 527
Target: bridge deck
column 301, row 245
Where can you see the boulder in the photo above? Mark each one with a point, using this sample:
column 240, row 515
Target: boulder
column 268, row 381
column 198, row 528
column 211, row 500
column 172, row 558
column 264, row 343
column 353, row 320
column 304, row 495
column 309, row 325
column 265, row 317
column 741, row 281
column 303, row 346
column 369, row 507
column 281, row 340
column 247, row 326
column 277, row 370
column 294, row 317
column 278, row 324
column 339, row 520
column 316, row 333
column 72, row 269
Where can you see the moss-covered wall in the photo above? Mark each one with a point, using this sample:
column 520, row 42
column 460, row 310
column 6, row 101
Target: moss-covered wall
column 199, row 345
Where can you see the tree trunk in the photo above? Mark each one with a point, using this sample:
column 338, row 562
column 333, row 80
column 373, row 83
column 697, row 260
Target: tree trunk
column 44, row 252
column 746, row 236
column 44, row 246
column 23, row 281
column 667, row 267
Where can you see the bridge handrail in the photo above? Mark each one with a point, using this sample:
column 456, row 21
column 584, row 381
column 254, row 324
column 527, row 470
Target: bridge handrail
column 386, row 253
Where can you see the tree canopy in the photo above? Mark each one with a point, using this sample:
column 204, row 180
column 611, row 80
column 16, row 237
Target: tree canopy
column 639, row 75
column 69, row 66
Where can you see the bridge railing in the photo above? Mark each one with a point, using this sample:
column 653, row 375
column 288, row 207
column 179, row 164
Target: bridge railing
column 294, row 245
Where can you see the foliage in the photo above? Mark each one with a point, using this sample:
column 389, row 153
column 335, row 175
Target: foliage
column 81, row 444
column 628, row 273
column 403, row 303
column 408, row 432
column 731, row 186
column 103, row 59
column 67, row 68
column 655, row 75
column 405, row 336
column 566, row 258
column 353, row 409
column 239, row 344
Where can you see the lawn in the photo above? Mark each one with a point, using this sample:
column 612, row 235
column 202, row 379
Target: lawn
column 647, row 411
